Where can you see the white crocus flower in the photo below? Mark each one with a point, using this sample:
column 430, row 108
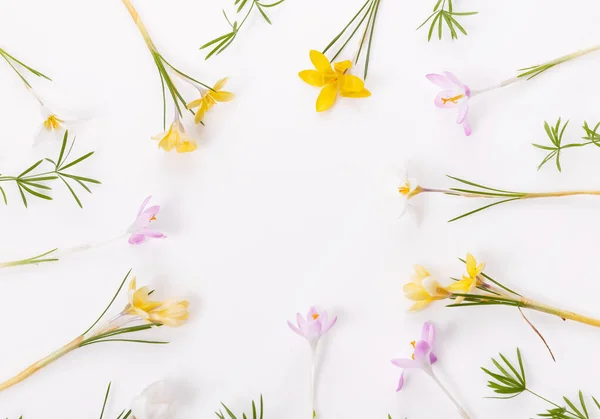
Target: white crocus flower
column 155, row 402
column 408, row 188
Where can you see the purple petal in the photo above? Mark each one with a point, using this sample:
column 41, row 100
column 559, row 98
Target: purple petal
column 466, row 127
column 428, row 333
column 405, row 363
column 153, row 234
column 144, row 205
column 432, row 358
column 440, row 80
column 463, row 109
column 441, row 100
column 422, row 351
column 301, row 322
column 313, row 331
column 330, row 325
column 137, row 238
column 294, row 328
column 400, row 382
column 454, row 79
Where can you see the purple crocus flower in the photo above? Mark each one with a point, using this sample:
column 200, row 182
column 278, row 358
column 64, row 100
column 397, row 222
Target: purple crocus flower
column 423, row 356
column 139, row 230
column 313, row 326
column 455, row 95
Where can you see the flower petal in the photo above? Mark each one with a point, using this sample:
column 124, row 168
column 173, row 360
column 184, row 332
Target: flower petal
column 327, row 97
column 320, row 61
column 351, row 84
column 463, row 109
column 312, row 77
column 195, row 103
column 220, row 84
column 144, row 205
column 432, row 358
column 467, row 127
column 419, row 305
column 440, row 80
column 294, row 328
column 405, row 363
column 137, row 238
column 454, row 79
column 199, row 114
column 400, row 382
column 356, row 95
column 222, row 96
column 422, row 351
column 428, row 333
column 328, row 326
column 415, row 292
column 342, row 66
column 420, row 273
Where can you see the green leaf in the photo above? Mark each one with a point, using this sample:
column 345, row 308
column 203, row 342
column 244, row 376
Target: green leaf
column 481, row 209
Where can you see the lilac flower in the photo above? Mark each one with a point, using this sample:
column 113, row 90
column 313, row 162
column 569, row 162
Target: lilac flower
column 314, row 326
column 423, row 356
column 139, row 230
column 455, row 95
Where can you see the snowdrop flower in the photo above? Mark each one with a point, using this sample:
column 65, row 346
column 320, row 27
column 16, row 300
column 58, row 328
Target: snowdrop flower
column 139, row 229
column 155, row 402
column 455, row 95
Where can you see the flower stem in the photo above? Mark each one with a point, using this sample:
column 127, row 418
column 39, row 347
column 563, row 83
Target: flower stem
column 313, row 380
column 138, row 21
column 542, row 398
column 42, row 363
column 563, row 314
column 520, row 195
column 463, row 413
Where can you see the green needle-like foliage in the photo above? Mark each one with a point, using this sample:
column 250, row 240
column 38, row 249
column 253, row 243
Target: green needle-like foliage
column 444, row 14
column 256, row 413
column 17, row 65
column 220, row 43
column 32, row 183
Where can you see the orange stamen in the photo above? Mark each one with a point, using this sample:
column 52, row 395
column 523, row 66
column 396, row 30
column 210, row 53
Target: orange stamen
column 315, row 316
column 453, row 99
column 153, row 218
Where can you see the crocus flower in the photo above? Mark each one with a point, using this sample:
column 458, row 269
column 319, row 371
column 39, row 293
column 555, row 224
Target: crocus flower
column 407, row 189
column 52, row 127
column 139, row 230
column 423, row 356
column 172, row 312
column 455, row 95
column 313, row 326
column 176, row 138
column 209, row 98
column 423, row 289
column 469, row 282
column 155, row 402
column 333, row 81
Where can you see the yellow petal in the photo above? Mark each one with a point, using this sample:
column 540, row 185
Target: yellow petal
column 223, row 96
column 356, row 95
column 415, row 292
column 195, row 103
column 199, row 117
column 188, row 145
column 342, row 66
column 420, row 273
column 327, row 97
column 350, row 83
column 461, row 286
column 419, row 305
column 312, row 77
column 471, row 265
column 320, row 61
column 220, row 84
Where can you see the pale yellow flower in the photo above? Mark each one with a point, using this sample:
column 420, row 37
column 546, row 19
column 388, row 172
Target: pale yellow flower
column 171, row 313
column 176, row 138
column 139, row 301
column 333, row 81
column 209, row 98
column 423, row 289
column 469, row 282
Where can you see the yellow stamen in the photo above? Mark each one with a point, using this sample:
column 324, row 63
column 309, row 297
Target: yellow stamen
column 404, row 189
column 153, row 218
column 52, row 123
column 315, row 316
column 452, row 99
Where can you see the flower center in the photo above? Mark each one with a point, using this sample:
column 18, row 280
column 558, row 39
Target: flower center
column 413, row 343
column 315, row 316
column 453, row 99
column 153, row 218
column 52, row 123
column 404, row 189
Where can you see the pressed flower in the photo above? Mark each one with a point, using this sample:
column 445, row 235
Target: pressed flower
column 139, row 314
column 469, row 282
column 455, row 95
column 333, row 81
column 139, row 230
column 176, row 138
column 154, row 402
column 423, row 289
column 423, row 358
column 209, row 98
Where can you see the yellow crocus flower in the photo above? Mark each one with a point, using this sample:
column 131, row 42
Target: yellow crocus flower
column 209, row 98
column 139, row 301
column 332, row 80
column 171, row 313
column 469, row 282
column 176, row 138
column 423, row 289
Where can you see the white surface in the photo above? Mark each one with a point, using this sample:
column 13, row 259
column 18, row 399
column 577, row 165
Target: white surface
column 281, row 208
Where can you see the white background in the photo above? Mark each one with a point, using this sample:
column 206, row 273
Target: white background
column 281, row 208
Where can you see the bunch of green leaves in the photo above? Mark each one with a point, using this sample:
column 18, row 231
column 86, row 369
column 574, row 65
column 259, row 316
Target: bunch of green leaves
column 167, row 83
column 445, row 15
column 15, row 64
column 474, row 190
column 509, row 382
column 256, row 414
column 555, row 134
column 114, row 335
column 220, row 43
column 530, row 72
column 368, row 13
column 123, row 415
column 34, row 184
